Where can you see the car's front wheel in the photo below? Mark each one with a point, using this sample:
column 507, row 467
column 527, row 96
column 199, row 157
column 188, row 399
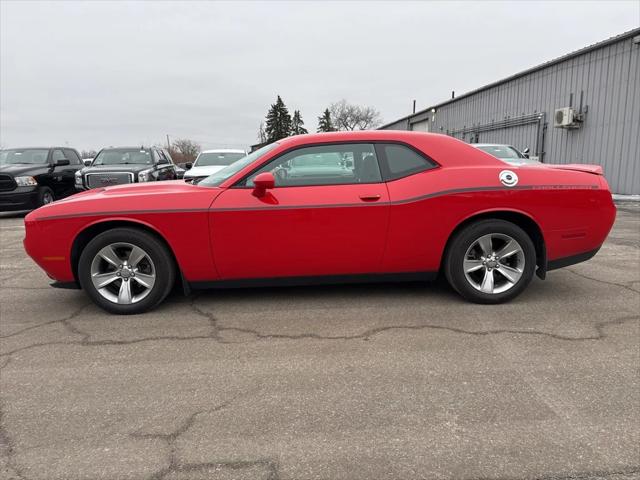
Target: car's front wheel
column 490, row 261
column 126, row 270
column 45, row 196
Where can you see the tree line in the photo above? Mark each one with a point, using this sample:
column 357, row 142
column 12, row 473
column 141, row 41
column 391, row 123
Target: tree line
column 339, row 116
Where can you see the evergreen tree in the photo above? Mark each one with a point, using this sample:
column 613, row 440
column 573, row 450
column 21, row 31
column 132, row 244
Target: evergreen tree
column 297, row 124
column 278, row 121
column 324, row 122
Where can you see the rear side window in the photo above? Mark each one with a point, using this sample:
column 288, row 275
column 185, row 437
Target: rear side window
column 72, row 156
column 401, row 161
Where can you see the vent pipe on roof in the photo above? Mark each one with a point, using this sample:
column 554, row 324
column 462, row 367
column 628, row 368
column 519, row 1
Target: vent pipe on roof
column 453, row 94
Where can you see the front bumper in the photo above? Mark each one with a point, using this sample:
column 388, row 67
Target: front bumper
column 21, row 198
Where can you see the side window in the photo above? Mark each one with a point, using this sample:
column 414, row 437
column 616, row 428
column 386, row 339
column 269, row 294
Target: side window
column 324, row 165
column 162, row 160
column 402, row 161
column 73, row 157
column 166, row 154
column 57, row 155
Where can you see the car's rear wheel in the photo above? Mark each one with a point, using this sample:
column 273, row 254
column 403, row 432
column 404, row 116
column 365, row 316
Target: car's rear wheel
column 490, row 261
column 126, row 271
column 45, row 196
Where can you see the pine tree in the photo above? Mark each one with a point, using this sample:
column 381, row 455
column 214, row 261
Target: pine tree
column 324, row 122
column 278, row 121
column 297, row 124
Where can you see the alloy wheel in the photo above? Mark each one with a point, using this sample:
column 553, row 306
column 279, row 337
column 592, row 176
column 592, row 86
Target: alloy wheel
column 123, row 273
column 494, row 263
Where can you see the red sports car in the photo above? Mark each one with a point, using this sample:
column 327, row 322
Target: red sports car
column 334, row 207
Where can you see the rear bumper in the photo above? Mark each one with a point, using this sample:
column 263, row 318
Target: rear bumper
column 571, row 260
column 22, row 198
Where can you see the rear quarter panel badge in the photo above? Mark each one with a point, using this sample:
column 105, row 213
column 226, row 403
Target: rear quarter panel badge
column 508, row 178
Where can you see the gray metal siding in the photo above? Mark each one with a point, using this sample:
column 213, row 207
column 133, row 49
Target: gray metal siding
column 610, row 79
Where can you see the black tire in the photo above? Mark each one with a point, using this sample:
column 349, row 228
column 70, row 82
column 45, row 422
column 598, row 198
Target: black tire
column 463, row 241
column 45, row 196
column 165, row 269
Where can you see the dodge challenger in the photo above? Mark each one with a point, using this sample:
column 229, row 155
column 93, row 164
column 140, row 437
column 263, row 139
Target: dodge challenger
column 334, row 207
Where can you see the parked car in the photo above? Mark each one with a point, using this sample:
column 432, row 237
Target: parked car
column 507, row 153
column 180, row 171
column 32, row 177
column 115, row 166
column 412, row 205
column 209, row 162
column 87, row 161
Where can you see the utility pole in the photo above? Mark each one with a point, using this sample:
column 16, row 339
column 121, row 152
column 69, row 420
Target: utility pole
column 168, row 143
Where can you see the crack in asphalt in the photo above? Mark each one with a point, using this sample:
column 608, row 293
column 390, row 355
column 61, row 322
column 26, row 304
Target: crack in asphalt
column 605, row 282
column 7, row 445
column 593, row 475
column 174, row 464
column 86, row 341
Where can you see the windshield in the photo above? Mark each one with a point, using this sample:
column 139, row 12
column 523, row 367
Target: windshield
column 24, row 156
column 123, row 156
column 502, row 151
column 217, row 178
column 508, row 154
column 206, row 159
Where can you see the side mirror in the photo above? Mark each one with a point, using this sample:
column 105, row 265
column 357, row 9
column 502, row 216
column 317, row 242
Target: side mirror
column 187, row 166
column 525, row 152
column 262, row 183
column 62, row 162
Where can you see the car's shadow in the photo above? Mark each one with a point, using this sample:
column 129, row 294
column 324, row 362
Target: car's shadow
column 438, row 287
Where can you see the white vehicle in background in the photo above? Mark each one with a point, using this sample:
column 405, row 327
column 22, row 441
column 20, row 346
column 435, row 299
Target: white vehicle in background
column 507, row 153
column 211, row 161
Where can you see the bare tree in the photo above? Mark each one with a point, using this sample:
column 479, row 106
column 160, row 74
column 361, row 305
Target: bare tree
column 348, row 116
column 184, row 150
column 88, row 153
column 262, row 134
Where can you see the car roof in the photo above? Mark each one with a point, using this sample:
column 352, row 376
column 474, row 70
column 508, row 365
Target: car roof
column 477, row 145
column 136, row 147
column 224, row 150
column 35, row 148
column 360, row 136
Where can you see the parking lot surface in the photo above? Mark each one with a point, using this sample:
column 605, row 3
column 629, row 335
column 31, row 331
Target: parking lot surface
column 401, row 381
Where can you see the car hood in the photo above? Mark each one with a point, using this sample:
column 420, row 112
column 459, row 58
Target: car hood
column 125, row 167
column 131, row 199
column 203, row 171
column 17, row 169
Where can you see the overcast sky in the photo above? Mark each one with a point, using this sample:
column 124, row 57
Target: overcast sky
column 96, row 74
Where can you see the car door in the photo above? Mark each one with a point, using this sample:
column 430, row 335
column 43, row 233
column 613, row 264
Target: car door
column 327, row 215
column 75, row 164
column 166, row 170
column 62, row 176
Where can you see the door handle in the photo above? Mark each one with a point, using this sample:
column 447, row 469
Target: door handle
column 369, row 198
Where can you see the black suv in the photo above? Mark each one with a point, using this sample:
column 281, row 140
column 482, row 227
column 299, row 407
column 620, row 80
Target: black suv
column 32, row 177
column 115, row 166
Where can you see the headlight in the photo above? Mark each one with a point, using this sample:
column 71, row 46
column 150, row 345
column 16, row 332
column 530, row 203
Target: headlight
column 26, row 181
column 145, row 175
column 78, row 175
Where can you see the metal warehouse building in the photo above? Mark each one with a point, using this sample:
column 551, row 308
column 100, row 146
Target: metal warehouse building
column 583, row 107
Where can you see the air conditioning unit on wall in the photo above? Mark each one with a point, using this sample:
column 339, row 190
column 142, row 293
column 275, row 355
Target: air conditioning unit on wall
column 566, row 118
